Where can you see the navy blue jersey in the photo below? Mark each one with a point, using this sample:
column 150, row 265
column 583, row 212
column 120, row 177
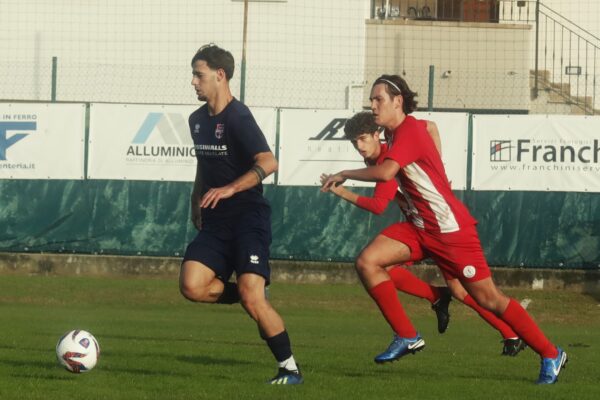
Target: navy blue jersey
column 225, row 146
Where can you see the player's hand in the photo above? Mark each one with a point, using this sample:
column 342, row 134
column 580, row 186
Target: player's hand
column 335, row 179
column 212, row 197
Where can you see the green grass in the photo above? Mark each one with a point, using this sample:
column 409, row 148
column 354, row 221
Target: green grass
column 155, row 345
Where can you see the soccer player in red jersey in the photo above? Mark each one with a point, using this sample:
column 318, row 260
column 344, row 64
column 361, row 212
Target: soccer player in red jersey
column 440, row 225
column 364, row 133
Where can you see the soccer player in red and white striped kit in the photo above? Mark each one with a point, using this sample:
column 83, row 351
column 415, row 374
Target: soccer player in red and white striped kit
column 364, row 134
column 440, row 225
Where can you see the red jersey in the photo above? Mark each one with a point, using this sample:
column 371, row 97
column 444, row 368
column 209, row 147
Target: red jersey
column 422, row 180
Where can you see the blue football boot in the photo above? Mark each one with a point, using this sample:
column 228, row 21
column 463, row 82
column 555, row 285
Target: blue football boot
column 286, row 377
column 551, row 368
column 401, row 347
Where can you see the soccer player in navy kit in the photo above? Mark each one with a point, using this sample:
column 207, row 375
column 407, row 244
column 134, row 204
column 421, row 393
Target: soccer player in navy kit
column 228, row 208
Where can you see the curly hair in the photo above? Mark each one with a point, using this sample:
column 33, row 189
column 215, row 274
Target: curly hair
column 396, row 86
column 360, row 123
column 216, row 58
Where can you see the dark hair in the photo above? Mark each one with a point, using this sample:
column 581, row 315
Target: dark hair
column 216, row 58
column 396, row 86
column 360, row 123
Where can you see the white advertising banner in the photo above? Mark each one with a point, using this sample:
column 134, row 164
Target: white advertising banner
column 312, row 142
column 536, row 153
column 42, row 141
column 151, row 142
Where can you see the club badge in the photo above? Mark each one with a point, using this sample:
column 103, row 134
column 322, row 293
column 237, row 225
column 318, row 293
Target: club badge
column 219, row 131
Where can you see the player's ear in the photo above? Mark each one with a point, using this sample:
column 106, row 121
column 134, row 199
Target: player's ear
column 221, row 75
column 398, row 102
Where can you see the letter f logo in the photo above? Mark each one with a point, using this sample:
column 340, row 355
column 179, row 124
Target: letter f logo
column 5, row 142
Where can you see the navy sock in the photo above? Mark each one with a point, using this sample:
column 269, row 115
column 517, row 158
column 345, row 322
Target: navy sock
column 230, row 294
column 280, row 346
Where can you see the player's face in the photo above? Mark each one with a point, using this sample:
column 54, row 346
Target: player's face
column 384, row 106
column 204, row 80
column 367, row 145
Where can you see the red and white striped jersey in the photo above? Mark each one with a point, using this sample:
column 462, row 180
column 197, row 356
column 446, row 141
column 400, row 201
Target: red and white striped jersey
column 422, row 180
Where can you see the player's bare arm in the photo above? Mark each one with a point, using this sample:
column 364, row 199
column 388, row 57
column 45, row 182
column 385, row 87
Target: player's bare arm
column 264, row 165
column 433, row 131
column 378, row 173
column 196, row 214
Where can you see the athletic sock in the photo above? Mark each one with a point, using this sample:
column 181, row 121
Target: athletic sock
column 289, row 364
column 405, row 281
column 491, row 318
column 230, row 294
column 520, row 321
column 281, row 348
column 386, row 298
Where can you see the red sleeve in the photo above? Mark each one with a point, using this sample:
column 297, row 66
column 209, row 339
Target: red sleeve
column 384, row 192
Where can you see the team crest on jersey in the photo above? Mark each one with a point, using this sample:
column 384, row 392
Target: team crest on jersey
column 469, row 271
column 197, row 128
column 219, row 131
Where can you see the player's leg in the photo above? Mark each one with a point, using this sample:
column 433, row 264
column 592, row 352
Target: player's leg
column 251, row 248
column 439, row 297
column 512, row 344
column 271, row 326
column 407, row 282
column 370, row 265
column 467, row 262
column 205, row 272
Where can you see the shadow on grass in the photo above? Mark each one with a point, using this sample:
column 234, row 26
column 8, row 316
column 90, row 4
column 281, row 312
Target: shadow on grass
column 199, row 339
column 208, row 360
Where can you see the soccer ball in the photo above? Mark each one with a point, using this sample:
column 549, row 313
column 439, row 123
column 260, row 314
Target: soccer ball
column 77, row 351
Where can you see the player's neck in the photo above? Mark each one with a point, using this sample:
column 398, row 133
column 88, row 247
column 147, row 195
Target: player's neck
column 219, row 102
column 396, row 122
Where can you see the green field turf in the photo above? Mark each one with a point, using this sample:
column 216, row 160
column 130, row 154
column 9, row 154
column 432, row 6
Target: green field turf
column 155, row 345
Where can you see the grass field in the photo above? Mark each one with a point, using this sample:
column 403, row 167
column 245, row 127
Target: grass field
column 155, row 345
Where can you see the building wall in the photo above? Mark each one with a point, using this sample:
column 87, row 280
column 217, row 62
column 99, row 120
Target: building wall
column 476, row 65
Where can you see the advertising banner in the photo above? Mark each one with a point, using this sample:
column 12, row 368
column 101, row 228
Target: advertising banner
column 42, row 141
column 312, row 142
column 151, row 142
column 536, row 153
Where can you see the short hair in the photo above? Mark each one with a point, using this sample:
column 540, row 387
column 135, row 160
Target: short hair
column 362, row 122
column 216, row 58
column 396, row 86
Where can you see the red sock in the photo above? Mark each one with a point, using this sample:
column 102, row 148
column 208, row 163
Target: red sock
column 491, row 318
column 386, row 298
column 405, row 281
column 527, row 329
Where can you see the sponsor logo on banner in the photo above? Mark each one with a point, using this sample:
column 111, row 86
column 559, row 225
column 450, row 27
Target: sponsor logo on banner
column 332, row 130
column 500, row 150
column 545, row 155
column 169, row 133
column 13, row 129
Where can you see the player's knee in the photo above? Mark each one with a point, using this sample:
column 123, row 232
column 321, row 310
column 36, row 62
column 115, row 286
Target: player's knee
column 192, row 292
column 364, row 264
column 251, row 303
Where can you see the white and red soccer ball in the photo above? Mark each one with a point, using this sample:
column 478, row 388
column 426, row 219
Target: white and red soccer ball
column 78, row 351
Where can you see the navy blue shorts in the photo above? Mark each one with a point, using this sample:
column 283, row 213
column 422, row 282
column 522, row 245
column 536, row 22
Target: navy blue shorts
column 239, row 244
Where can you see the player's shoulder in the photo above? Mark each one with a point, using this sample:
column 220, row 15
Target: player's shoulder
column 198, row 113
column 239, row 107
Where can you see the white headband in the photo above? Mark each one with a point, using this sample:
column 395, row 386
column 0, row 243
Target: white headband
column 390, row 83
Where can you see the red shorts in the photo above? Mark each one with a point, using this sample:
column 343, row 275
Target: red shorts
column 458, row 254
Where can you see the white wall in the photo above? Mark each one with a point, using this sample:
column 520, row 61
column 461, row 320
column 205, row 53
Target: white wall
column 301, row 53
